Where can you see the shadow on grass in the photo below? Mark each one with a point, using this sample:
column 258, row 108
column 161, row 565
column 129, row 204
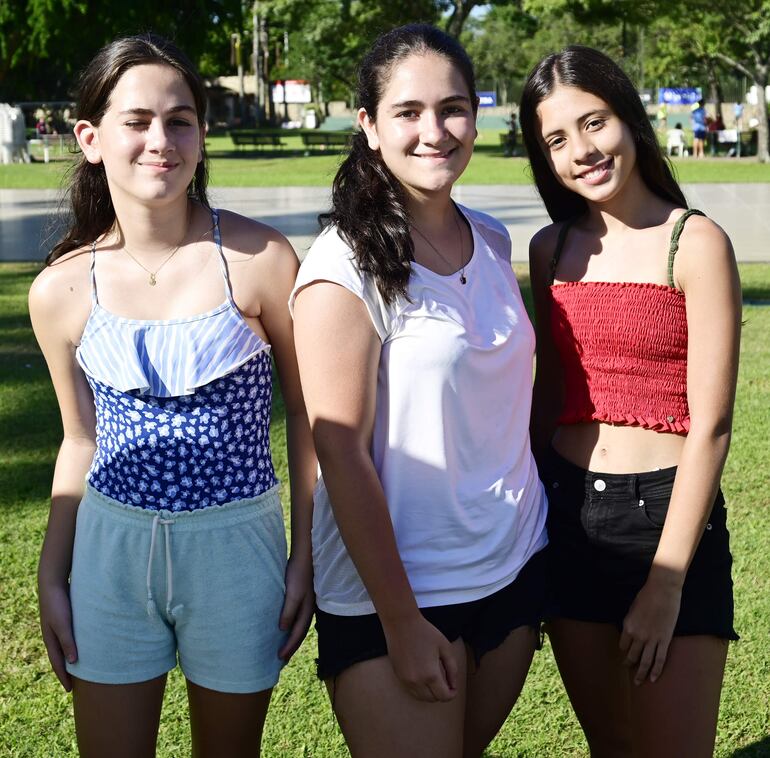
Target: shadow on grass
column 19, row 275
column 25, row 481
column 755, row 750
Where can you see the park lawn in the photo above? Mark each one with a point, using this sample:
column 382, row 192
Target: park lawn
column 35, row 713
column 289, row 167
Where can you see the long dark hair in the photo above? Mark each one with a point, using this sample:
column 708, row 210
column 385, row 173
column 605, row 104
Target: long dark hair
column 591, row 71
column 88, row 201
column 368, row 202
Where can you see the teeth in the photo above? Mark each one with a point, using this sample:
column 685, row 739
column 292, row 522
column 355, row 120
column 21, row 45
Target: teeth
column 595, row 172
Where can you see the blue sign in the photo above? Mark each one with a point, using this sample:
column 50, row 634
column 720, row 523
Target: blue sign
column 487, row 99
column 679, row 95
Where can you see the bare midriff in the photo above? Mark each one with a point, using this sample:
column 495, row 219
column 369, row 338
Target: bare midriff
column 613, row 449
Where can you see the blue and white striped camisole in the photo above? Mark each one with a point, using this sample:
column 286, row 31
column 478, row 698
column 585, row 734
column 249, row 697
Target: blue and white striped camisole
column 182, row 405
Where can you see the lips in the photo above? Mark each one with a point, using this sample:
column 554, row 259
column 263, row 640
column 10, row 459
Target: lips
column 434, row 156
column 599, row 173
column 161, row 166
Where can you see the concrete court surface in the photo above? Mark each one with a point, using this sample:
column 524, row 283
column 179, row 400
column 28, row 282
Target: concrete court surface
column 28, row 227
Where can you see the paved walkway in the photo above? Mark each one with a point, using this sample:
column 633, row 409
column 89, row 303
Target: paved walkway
column 28, row 225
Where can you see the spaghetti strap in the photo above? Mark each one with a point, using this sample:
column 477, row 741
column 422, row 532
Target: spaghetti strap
column 674, row 246
column 565, row 227
column 222, row 262
column 94, row 295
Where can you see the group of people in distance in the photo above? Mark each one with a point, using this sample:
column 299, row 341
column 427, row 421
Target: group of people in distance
column 456, row 510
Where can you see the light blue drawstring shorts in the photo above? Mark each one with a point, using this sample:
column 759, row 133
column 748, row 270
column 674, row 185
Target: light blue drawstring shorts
column 207, row 585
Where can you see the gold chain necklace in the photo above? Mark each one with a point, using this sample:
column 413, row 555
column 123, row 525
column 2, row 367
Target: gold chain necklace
column 153, row 280
column 153, row 274
column 463, row 279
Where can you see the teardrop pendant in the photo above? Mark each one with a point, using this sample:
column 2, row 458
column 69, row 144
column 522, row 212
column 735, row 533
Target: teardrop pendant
column 463, row 280
column 153, row 281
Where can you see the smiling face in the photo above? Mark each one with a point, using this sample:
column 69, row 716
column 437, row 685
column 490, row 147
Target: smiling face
column 588, row 147
column 425, row 124
column 149, row 139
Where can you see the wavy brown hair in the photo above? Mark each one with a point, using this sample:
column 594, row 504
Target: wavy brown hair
column 88, row 204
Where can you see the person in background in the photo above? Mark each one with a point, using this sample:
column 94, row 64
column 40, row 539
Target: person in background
column 699, row 129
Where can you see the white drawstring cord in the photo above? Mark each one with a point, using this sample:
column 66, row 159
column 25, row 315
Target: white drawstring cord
column 151, row 607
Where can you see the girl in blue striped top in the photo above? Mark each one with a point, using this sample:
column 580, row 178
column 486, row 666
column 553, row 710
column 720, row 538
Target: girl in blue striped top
column 157, row 316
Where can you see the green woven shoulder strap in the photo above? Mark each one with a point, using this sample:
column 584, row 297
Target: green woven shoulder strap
column 675, row 235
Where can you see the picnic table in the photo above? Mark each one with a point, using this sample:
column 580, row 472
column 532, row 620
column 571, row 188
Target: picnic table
column 735, row 143
column 324, row 139
column 241, row 137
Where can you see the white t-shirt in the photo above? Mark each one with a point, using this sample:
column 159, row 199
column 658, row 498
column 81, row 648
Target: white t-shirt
column 451, row 429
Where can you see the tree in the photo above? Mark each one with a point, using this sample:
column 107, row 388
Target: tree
column 506, row 42
column 45, row 43
column 737, row 34
column 328, row 38
column 740, row 39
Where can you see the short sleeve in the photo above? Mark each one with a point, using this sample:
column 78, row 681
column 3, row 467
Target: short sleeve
column 330, row 259
column 492, row 231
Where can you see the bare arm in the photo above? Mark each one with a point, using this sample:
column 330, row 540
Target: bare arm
column 53, row 331
column 339, row 352
column 707, row 273
column 547, row 392
column 276, row 320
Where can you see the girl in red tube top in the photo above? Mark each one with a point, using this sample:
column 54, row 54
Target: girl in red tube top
column 637, row 304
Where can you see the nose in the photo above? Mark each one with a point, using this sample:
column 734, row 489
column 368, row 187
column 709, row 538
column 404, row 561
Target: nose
column 432, row 128
column 159, row 138
column 582, row 148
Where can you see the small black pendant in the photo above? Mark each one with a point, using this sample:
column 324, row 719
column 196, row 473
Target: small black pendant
column 463, row 280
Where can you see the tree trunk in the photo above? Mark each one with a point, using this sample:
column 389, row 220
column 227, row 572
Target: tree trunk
column 763, row 155
column 715, row 86
column 460, row 12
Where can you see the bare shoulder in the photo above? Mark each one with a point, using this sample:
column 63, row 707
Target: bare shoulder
column 247, row 236
column 541, row 249
column 544, row 241
column 64, row 286
column 704, row 250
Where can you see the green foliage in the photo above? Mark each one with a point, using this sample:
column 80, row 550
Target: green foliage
column 45, row 43
column 328, row 38
column 688, row 37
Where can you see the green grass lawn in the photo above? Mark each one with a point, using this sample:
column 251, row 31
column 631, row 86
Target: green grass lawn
column 289, row 167
column 35, row 713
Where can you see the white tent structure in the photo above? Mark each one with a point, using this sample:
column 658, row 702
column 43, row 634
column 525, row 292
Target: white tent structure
column 13, row 142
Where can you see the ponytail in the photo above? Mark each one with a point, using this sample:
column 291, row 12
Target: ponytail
column 370, row 214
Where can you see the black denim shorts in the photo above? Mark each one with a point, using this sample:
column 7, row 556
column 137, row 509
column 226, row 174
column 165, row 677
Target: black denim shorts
column 483, row 624
column 603, row 531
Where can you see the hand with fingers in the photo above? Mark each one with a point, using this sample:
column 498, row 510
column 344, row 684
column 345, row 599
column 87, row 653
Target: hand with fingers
column 423, row 659
column 298, row 605
column 648, row 628
column 56, row 625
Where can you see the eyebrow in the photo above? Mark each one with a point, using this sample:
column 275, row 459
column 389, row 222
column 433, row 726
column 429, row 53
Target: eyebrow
column 581, row 119
column 415, row 103
column 148, row 112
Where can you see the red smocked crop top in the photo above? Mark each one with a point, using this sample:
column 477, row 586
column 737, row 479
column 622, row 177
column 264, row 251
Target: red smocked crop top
column 623, row 349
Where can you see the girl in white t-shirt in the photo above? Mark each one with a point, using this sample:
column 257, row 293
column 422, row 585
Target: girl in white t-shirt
column 415, row 356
